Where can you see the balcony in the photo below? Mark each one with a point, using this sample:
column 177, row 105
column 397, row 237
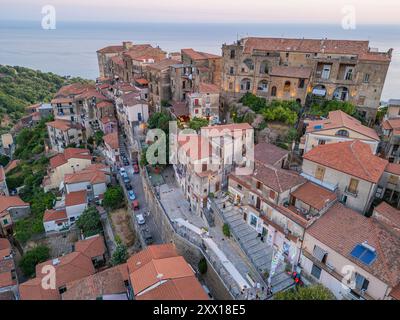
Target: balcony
column 353, row 193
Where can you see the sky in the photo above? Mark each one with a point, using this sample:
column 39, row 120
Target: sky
column 207, row 11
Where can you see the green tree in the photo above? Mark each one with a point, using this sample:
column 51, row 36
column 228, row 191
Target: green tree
column 33, row 257
column 202, row 266
column 4, row 160
column 98, row 137
column 114, row 198
column 226, row 230
column 120, row 254
column 198, row 123
column 160, row 120
column 314, row 292
column 89, row 222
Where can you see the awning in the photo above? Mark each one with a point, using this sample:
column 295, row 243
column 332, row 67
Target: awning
column 319, row 253
column 319, row 92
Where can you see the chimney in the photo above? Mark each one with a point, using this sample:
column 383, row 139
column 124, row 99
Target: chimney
column 127, row 45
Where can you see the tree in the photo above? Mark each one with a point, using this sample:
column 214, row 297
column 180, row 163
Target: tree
column 98, row 137
column 114, row 198
column 89, row 222
column 314, row 292
column 33, row 257
column 202, row 266
column 4, row 160
column 120, row 254
column 160, row 120
column 198, row 123
column 226, row 230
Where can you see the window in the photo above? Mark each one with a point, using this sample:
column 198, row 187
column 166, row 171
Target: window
column 349, row 73
column 264, row 69
column 245, row 85
column 320, row 173
column 272, row 194
column 263, row 86
column 258, row 185
column 253, row 220
column 72, row 219
column 361, row 100
column 230, row 85
column 366, row 78
column 273, row 91
column 342, row 133
column 393, row 179
column 286, row 87
column 353, row 186
column 316, row 271
column 301, row 83
column 62, row 290
column 196, row 111
column 5, row 221
column 361, row 282
column 287, row 54
column 321, row 142
column 231, row 70
column 239, row 187
column 249, row 64
column 233, row 54
column 196, row 102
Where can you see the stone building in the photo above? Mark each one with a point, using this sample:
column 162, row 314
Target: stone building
column 278, row 68
column 204, row 103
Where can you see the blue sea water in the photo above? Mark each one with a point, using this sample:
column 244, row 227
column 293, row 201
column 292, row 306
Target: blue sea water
column 71, row 48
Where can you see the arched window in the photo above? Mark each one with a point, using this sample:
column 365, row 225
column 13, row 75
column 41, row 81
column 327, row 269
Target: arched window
column 249, row 64
column 245, row 85
column 286, row 87
column 264, row 67
column 263, row 86
column 273, row 91
column 342, row 133
column 341, row 93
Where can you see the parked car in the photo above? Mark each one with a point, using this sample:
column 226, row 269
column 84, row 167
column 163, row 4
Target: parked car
column 140, row 219
column 135, row 205
column 122, row 171
column 135, row 168
column 126, row 179
column 128, row 186
column 148, row 238
column 131, row 195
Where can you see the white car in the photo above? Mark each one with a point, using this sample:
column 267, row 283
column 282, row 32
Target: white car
column 140, row 219
column 122, row 171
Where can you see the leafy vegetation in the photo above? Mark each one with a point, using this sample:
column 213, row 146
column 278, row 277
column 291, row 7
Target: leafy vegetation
column 89, row 222
column 120, row 254
column 198, row 123
column 114, row 198
column 315, row 292
column 202, row 266
column 4, row 160
column 21, row 87
column 323, row 109
column 33, row 257
column 226, row 230
column 276, row 110
column 160, row 120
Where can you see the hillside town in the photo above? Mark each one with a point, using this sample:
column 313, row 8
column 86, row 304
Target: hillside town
column 282, row 171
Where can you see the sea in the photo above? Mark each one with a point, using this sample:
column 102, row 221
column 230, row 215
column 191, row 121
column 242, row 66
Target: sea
column 70, row 49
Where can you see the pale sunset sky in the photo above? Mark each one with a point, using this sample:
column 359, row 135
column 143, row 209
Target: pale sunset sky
column 228, row 11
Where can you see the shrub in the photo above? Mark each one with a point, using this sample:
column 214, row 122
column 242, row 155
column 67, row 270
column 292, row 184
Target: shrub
column 314, row 292
column 226, row 230
column 33, row 257
column 89, row 222
column 202, row 266
column 120, row 254
column 114, row 198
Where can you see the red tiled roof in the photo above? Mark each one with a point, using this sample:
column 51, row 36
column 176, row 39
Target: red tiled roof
column 291, row 72
column 268, row 153
column 393, row 168
column 10, row 202
column 92, row 176
column 395, row 293
column 341, row 229
column 339, row 119
column 180, row 109
column 63, row 125
column 111, row 49
column 352, row 157
column 314, row 195
column 218, row 130
column 104, row 104
column 92, row 247
column 73, row 89
column 107, row 282
column 54, row 215
column 69, row 153
column 353, row 47
column 76, row 198
column 112, row 140
column 162, row 64
column 391, row 124
column 388, row 215
column 208, row 88
column 197, row 55
column 6, row 279
column 142, row 81
column 62, row 100
column 33, row 290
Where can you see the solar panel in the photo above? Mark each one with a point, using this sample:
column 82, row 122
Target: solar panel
column 357, row 251
column 363, row 254
column 368, row 257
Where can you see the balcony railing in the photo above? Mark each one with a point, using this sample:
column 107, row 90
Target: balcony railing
column 353, row 193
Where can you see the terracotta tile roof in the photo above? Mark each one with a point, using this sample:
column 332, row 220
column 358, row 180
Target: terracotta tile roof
column 62, row 101
column 73, row 89
column 393, row 168
column 111, row 49
column 5, row 248
column 197, row 55
column 33, row 290
column 277, row 179
column 7, row 296
column 268, row 153
column 162, row 64
column 341, row 229
column 391, row 124
column 91, row 247
column 339, row 119
column 63, row 125
column 10, row 202
column 107, row 119
column 180, row 109
column 76, row 198
column 132, row 98
column 352, row 157
column 388, row 215
column 142, row 81
column 54, row 215
column 395, row 293
column 71, row 267
column 145, row 50
column 11, row 165
column 6, row 279
column 208, row 88
column 107, row 282
column 117, row 60
column 314, row 195
column 69, row 153
column 352, row 47
column 291, row 72
column 98, row 167
column 158, row 270
column 104, row 104
column 92, row 176
column 91, row 93
column 218, row 130
column 112, row 140
column 187, row 288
